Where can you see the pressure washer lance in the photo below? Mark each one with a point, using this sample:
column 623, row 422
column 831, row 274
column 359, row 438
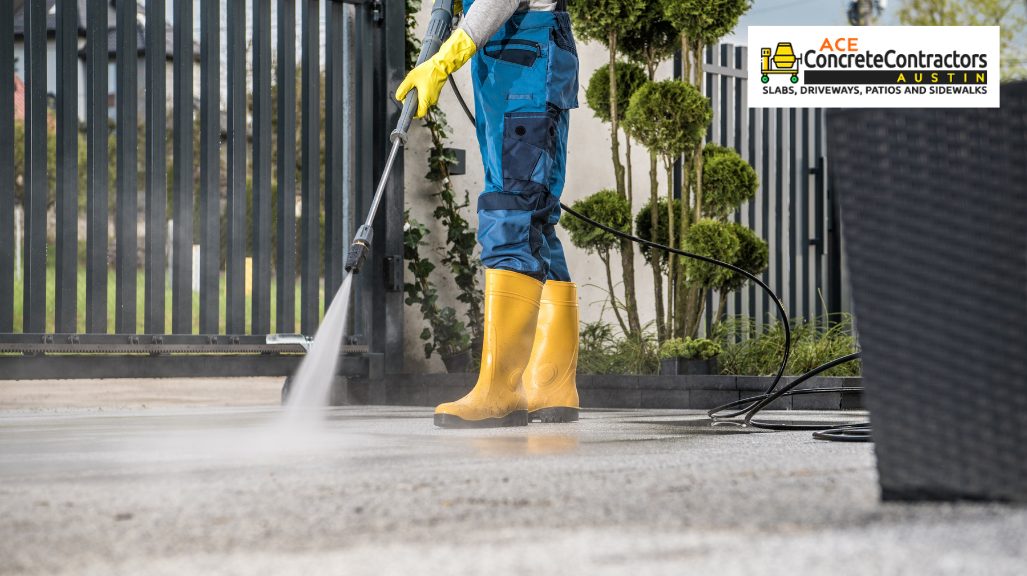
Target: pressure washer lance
column 439, row 28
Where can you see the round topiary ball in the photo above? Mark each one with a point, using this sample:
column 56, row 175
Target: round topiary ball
column 630, row 77
column 713, row 239
column 668, row 117
column 607, row 207
column 728, row 181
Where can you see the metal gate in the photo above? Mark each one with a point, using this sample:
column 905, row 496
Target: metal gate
column 223, row 202
column 793, row 210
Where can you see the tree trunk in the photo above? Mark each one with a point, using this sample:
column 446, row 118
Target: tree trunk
column 618, row 167
column 697, row 178
column 682, row 289
column 672, row 268
column 627, row 248
column 697, row 55
column 627, row 257
column 605, row 257
column 721, row 307
column 627, row 153
column 654, row 213
column 695, row 304
column 698, row 160
column 686, row 60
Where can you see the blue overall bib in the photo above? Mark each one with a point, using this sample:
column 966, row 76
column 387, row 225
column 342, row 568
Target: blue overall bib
column 525, row 82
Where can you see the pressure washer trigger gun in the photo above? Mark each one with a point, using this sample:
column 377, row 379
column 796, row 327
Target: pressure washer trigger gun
column 358, row 250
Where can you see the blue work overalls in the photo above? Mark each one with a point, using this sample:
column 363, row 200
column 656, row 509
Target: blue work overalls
column 525, row 82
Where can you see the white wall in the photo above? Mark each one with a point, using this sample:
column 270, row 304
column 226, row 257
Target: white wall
column 590, row 169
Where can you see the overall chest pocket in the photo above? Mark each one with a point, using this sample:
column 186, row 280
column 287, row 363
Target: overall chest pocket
column 514, row 51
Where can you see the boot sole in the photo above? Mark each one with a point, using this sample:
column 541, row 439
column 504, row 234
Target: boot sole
column 554, row 415
column 516, row 418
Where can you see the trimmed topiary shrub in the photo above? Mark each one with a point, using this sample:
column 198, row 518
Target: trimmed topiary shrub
column 668, row 117
column 630, row 77
column 753, row 256
column 713, row 239
column 728, row 181
column 605, row 206
column 705, row 21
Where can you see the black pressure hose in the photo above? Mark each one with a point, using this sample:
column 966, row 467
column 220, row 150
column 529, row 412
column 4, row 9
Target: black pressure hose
column 748, row 407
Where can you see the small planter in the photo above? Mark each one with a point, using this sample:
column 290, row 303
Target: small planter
column 688, row 366
column 457, row 363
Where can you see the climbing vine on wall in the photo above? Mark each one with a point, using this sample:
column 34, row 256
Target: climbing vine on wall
column 459, row 257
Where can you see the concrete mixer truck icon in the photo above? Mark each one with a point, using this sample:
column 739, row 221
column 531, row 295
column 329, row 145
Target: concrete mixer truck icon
column 782, row 62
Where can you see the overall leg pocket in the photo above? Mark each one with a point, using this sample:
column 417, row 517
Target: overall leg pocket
column 529, row 140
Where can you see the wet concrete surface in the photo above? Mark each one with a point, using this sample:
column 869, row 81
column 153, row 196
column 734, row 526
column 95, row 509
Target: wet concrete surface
column 218, row 490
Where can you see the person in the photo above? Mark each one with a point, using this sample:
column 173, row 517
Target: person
column 524, row 66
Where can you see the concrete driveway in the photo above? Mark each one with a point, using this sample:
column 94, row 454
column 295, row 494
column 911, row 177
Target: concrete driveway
column 374, row 490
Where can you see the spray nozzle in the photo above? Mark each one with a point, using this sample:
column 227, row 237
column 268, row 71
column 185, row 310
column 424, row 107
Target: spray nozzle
column 359, row 249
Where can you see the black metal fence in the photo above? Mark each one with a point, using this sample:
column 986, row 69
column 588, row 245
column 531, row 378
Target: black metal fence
column 793, row 210
column 235, row 203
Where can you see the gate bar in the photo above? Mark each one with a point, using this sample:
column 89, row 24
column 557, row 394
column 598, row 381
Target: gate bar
column 310, row 256
column 35, row 189
column 235, row 268
column 260, row 316
column 127, row 212
column 182, row 252
column 7, row 168
column 285, row 261
column 66, row 273
column 210, row 166
column 156, row 167
column 335, row 54
column 98, row 182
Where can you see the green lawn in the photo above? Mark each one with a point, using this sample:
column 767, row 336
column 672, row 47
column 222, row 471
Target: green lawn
column 140, row 302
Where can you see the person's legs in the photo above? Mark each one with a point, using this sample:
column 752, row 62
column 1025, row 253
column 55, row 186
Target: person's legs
column 517, row 134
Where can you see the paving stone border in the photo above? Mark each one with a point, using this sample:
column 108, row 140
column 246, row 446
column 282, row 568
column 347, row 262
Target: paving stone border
column 613, row 391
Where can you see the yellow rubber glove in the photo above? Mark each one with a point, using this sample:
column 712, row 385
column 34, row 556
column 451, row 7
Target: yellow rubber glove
column 430, row 76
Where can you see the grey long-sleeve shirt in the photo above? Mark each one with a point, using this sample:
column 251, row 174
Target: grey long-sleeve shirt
column 486, row 17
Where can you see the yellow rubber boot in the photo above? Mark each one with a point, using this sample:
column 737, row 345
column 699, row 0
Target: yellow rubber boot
column 551, row 377
column 498, row 399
